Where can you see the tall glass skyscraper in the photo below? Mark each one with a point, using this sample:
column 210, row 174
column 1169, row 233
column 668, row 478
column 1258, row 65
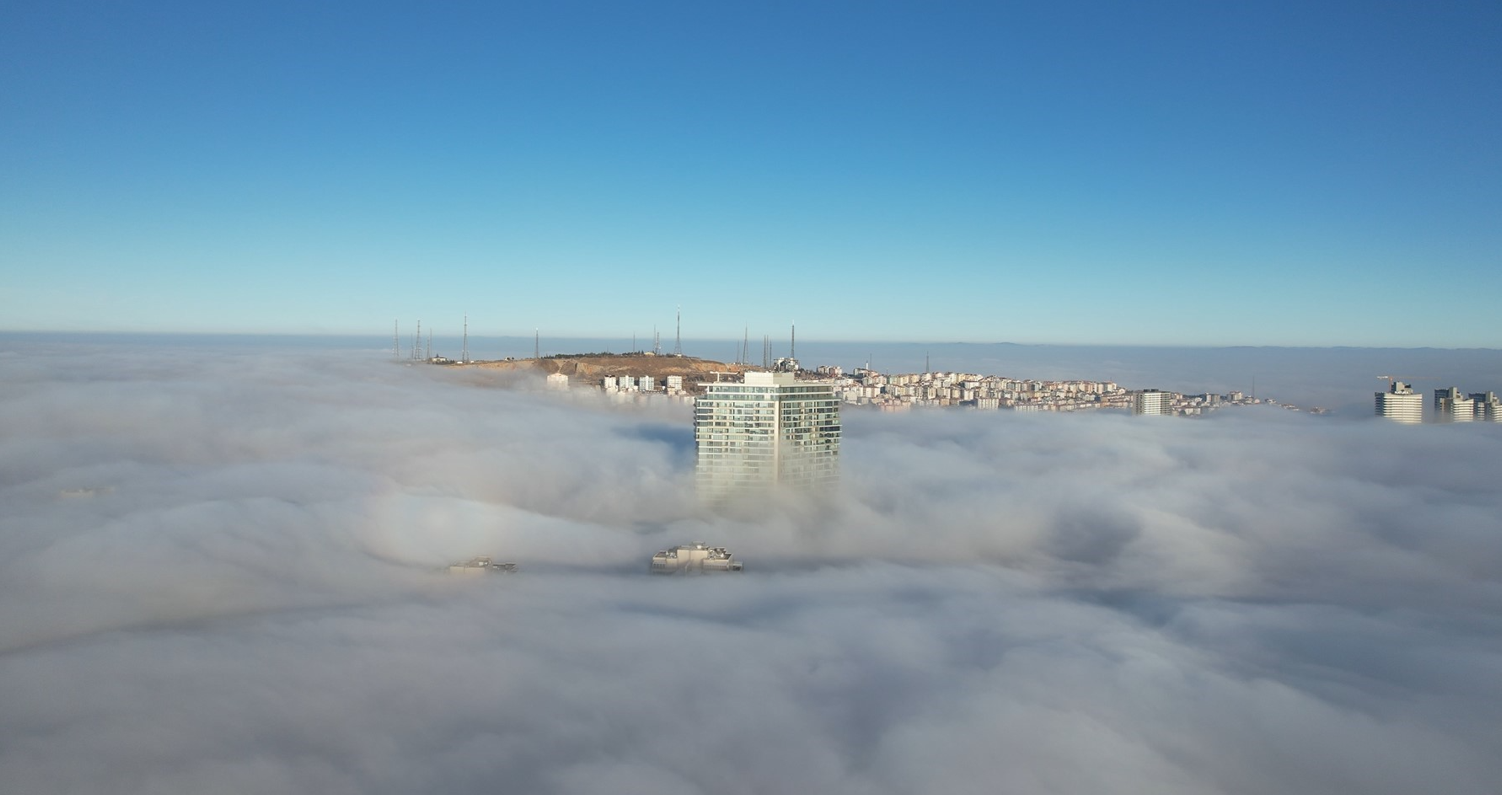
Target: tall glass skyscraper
column 768, row 430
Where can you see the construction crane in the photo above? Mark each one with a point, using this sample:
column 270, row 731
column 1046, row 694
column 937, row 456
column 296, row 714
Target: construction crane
column 1405, row 378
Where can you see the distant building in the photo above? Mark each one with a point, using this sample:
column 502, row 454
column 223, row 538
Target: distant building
column 1451, row 406
column 768, row 430
column 1400, row 404
column 1485, row 407
column 1151, row 402
column 482, row 565
column 648, row 383
column 675, row 384
column 558, row 381
column 694, row 557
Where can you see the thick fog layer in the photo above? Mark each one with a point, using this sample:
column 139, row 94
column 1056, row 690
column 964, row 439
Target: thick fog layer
column 219, row 573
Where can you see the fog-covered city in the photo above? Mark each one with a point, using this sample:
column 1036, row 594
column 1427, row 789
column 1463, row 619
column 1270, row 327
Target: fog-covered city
column 678, row 397
column 221, row 573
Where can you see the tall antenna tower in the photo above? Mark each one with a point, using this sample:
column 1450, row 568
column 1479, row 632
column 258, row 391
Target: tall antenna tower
column 396, row 339
column 678, row 334
column 417, row 341
column 746, row 345
column 464, row 356
column 656, row 342
column 793, row 346
column 766, row 351
column 536, row 343
column 430, row 345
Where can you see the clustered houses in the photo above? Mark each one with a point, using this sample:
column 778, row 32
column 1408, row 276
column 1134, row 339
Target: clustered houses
column 900, row 392
column 896, row 392
column 629, row 388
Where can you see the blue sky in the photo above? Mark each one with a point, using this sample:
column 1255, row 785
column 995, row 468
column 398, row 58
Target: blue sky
column 1135, row 173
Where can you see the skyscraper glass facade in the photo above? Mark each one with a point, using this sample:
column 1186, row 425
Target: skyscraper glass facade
column 769, row 430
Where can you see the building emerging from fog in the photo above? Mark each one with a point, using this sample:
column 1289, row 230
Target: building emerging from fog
column 768, row 430
column 1451, row 406
column 1486, row 407
column 1400, row 404
column 694, row 557
column 1151, row 402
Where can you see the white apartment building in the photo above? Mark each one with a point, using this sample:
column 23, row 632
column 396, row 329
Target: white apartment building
column 1400, row 404
column 1152, row 402
column 1451, row 406
column 1486, row 407
column 768, row 430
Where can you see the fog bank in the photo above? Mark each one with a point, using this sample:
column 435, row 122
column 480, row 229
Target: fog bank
column 218, row 573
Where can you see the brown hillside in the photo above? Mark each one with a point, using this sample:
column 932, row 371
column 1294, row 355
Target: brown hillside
column 590, row 369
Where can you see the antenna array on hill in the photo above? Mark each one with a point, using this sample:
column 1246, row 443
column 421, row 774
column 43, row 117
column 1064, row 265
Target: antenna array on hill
column 678, row 334
column 464, row 355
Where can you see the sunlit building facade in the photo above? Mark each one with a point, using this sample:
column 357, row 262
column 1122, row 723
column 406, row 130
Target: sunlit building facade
column 1152, row 403
column 1451, row 406
column 1486, row 407
column 1400, row 404
column 768, row 430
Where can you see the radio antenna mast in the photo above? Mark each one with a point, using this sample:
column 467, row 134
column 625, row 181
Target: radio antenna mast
column 678, row 334
column 464, row 357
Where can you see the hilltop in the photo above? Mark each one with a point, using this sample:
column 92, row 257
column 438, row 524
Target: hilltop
column 589, row 368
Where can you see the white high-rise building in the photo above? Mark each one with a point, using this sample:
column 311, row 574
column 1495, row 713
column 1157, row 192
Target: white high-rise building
column 1451, row 406
column 1486, row 407
column 770, row 429
column 1152, row 402
column 1400, row 404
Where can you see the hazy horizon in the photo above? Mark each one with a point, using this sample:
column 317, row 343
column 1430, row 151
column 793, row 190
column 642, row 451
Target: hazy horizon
column 1341, row 379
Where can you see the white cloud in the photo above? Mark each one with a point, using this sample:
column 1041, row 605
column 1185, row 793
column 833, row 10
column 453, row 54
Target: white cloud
column 246, row 600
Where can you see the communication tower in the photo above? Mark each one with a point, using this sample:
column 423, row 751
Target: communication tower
column 678, row 334
column 464, row 355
